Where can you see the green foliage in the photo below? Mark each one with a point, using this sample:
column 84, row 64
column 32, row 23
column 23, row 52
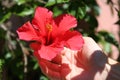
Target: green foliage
column 54, row 2
column 1, row 67
column 15, row 53
column 106, row 40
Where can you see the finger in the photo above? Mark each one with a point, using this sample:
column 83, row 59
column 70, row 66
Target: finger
column 68, row 56
column 65, row 70
column 50, row 65
column 90, row 45
column 53, row 75
column 92, row 54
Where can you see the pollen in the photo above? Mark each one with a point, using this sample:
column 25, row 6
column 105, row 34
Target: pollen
column 49, row 27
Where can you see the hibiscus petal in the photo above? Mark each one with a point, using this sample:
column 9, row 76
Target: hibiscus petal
column 35, row 46
column 73, row 40
column 41, row 17
column 49, row 52
column 27, row 32
column 65, row 22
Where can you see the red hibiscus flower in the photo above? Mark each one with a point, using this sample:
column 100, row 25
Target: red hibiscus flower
column 50, row 35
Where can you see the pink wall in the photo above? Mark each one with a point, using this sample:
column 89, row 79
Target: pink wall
column 106, row 19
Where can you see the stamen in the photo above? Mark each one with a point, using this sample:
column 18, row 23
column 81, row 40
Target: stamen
column 49, row 27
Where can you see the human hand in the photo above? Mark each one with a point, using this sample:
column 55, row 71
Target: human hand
column 86, row 64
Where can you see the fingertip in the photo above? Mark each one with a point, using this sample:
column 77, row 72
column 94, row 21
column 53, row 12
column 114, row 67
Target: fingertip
column 65, row 70
column 88, row 38
column 90, row 44
column 50, row 70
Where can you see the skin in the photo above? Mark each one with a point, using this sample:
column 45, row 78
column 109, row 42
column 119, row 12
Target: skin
column 89, row 63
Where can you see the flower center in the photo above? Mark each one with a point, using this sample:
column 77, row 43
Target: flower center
column 49, row 29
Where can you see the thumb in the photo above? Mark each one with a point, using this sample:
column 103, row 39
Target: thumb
column 92, row 53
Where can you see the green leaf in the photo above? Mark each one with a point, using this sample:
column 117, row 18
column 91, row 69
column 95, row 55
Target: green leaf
column 81, row 12
column 35, row 66
column 109, row 37
column 53, row 2
column 5, row 17
column 2, row 34
column 19, row 2
column 43, row 78
column 106, row 46
column 92, row 21
column 62, row 1
column 1, row 66
column 8, row 55
column 57, row 11
column 26, row 12
column 50, row 3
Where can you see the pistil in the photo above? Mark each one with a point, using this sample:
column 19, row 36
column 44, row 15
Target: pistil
column 49, row 29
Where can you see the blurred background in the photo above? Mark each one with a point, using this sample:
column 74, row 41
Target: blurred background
column 99, row 19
